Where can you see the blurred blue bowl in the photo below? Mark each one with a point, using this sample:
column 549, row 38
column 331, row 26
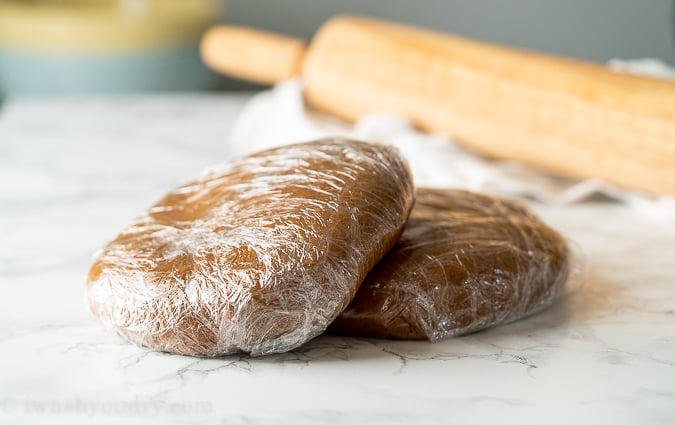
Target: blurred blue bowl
column 81, row 46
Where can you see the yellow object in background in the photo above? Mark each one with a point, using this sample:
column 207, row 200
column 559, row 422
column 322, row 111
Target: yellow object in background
column 103, row 45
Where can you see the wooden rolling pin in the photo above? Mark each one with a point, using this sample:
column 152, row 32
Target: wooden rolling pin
column 567, row 116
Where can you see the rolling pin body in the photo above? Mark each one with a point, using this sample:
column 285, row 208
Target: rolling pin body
column 571, row 117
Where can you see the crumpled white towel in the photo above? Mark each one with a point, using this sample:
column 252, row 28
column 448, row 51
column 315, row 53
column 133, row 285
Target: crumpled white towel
column 279, row 116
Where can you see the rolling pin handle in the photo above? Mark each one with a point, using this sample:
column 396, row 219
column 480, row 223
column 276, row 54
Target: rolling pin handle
column 253, row 55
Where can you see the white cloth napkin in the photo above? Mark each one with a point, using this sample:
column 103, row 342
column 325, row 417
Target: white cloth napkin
column 279, row 116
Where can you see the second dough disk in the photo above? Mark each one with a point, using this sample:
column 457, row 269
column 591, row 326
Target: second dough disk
column 464, row 262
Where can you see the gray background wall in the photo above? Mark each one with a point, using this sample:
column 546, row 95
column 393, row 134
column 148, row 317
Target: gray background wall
column 590, row 29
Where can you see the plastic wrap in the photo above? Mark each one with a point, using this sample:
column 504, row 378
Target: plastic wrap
column 464, row 262
column 258, row 255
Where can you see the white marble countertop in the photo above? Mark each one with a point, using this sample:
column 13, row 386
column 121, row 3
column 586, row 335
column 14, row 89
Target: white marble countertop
column 75, row 171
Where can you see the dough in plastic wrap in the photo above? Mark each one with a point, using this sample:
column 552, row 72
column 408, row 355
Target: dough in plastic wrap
column 258, row 255
column 464, row 262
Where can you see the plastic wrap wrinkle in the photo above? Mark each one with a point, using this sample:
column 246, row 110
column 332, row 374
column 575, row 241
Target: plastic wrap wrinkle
column 258, row 255
column 464, row 262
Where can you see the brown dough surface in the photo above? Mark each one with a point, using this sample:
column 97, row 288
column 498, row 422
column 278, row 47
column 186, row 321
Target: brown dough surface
column 258, row 255
column 464, row 262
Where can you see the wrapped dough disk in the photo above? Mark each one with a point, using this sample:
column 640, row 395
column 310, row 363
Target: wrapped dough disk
column 258, row 255
column 464, row 262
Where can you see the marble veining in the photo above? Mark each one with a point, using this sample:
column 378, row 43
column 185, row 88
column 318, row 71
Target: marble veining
column 73, row 172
